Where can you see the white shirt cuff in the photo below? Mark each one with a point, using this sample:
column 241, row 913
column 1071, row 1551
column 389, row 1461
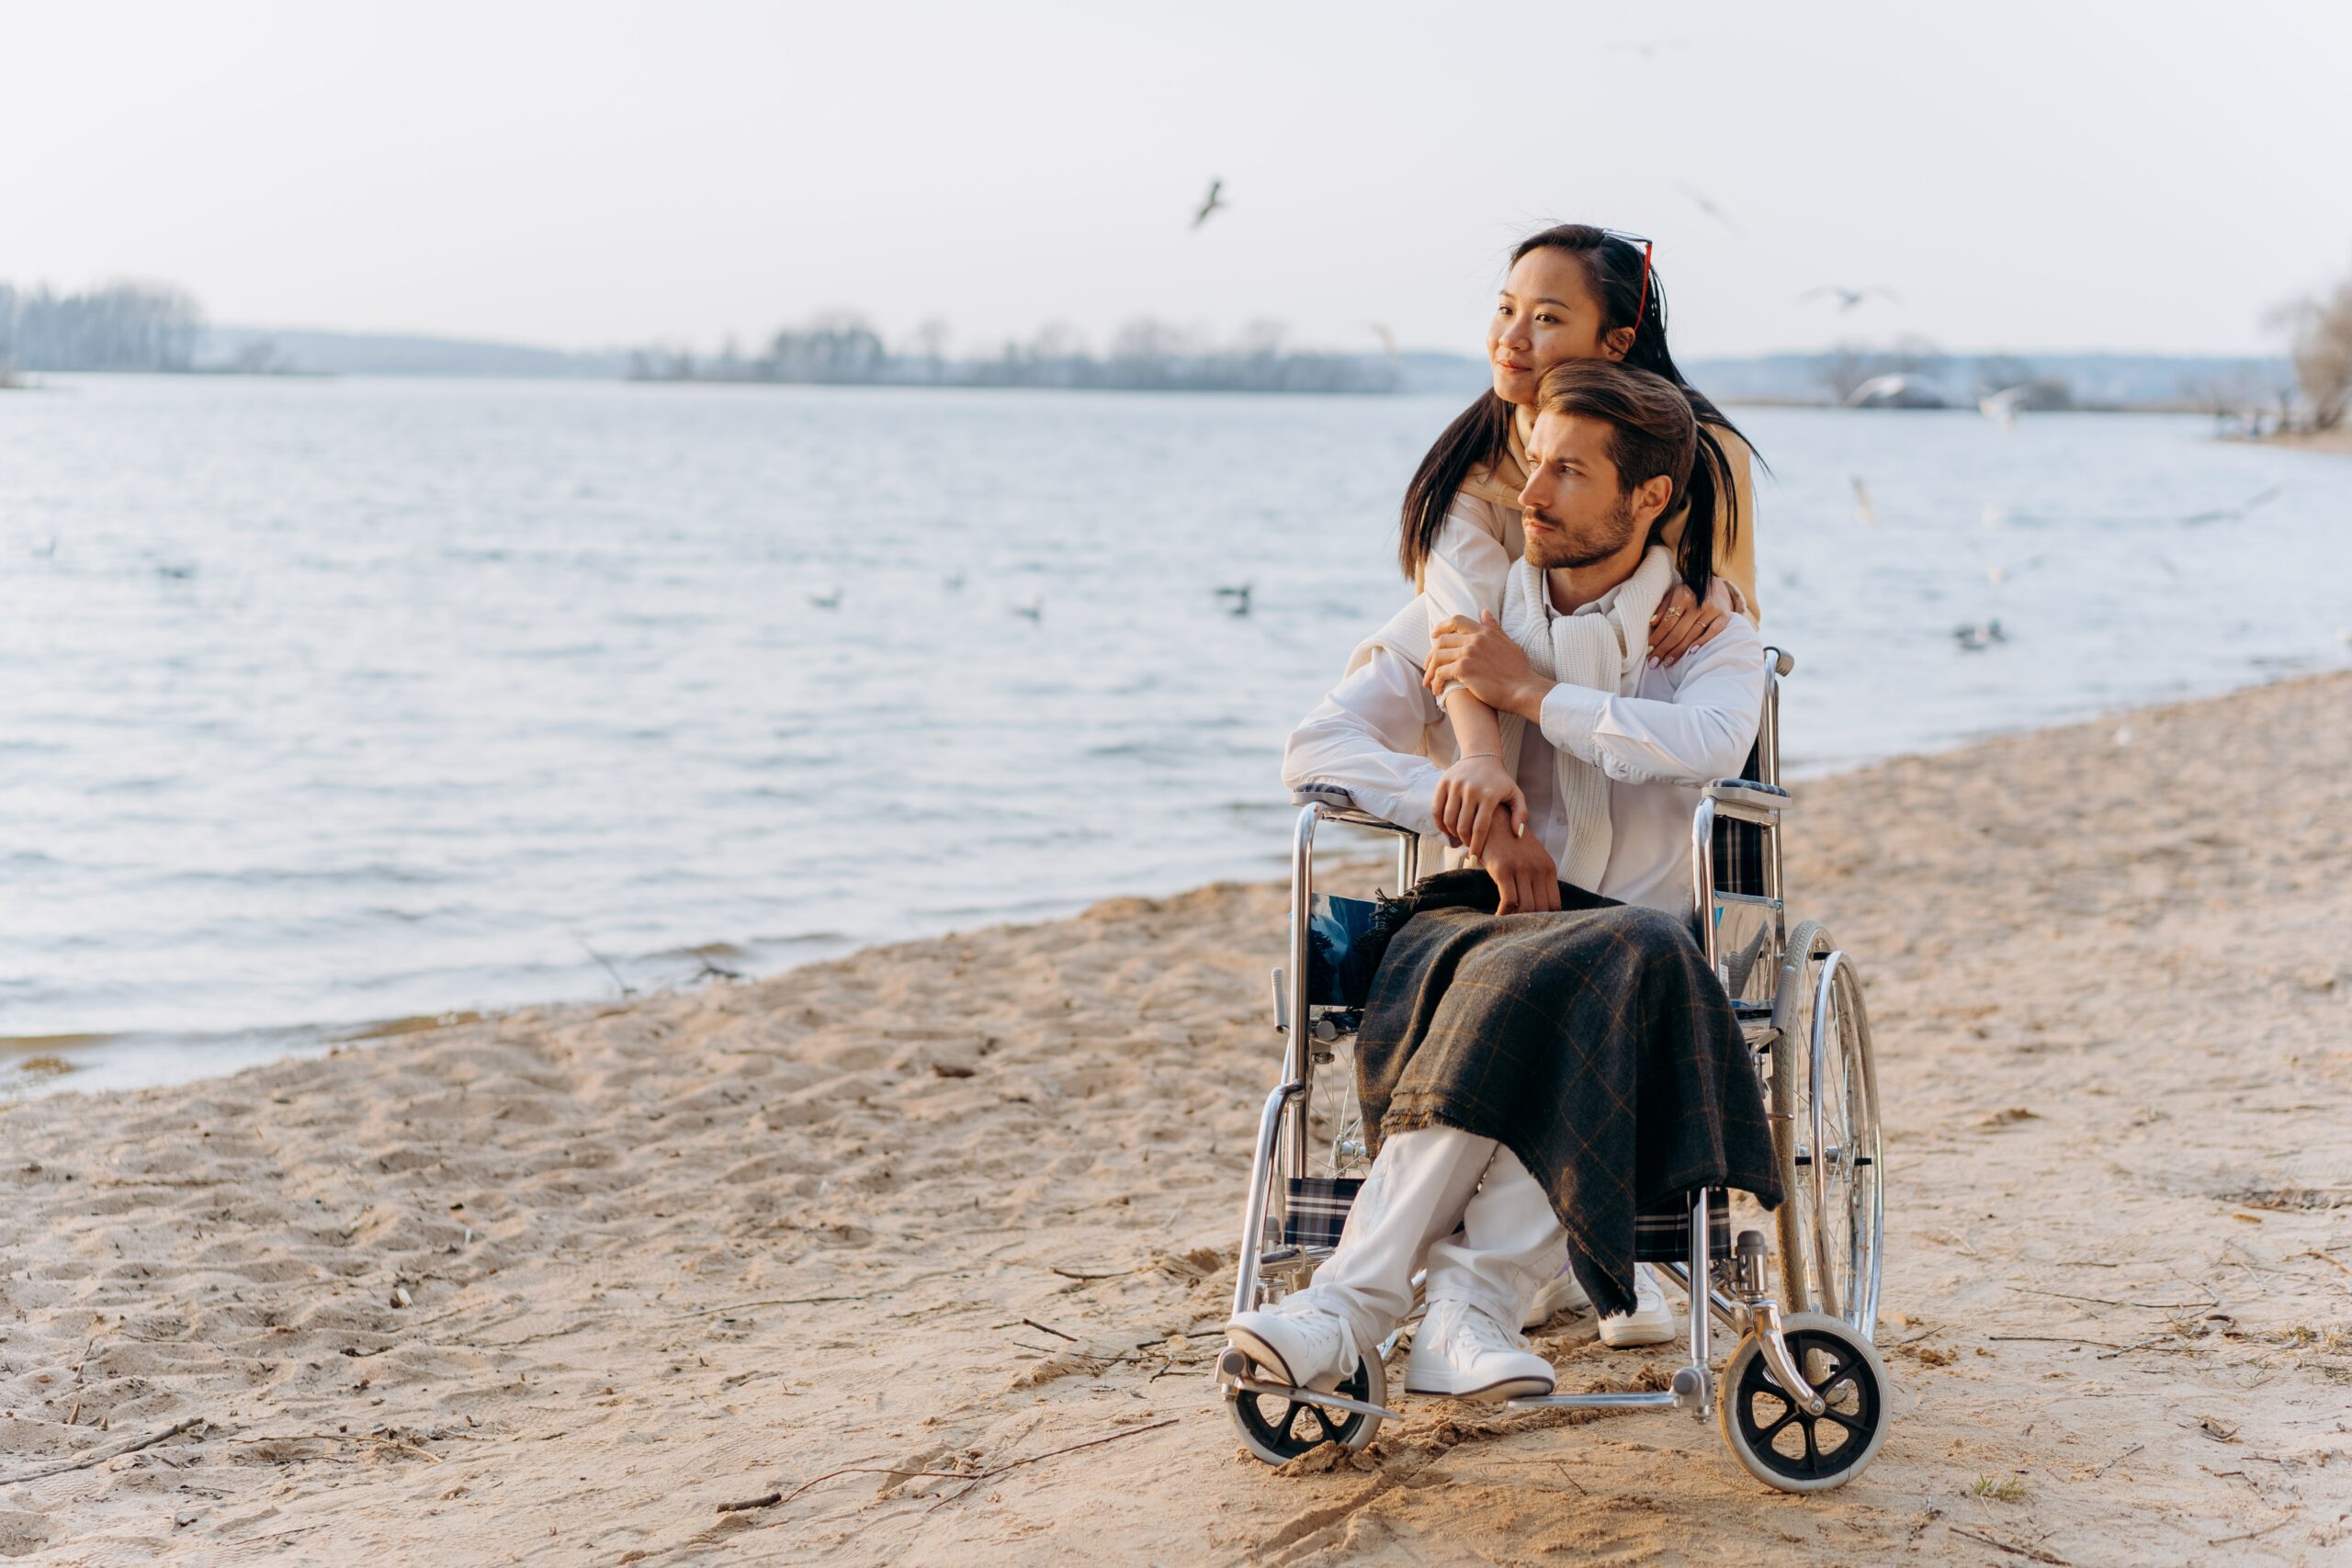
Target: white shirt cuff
column 1570, row 715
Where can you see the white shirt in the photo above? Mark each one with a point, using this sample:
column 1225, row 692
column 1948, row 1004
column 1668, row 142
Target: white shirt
column 1667, row 732
column 1470, row 561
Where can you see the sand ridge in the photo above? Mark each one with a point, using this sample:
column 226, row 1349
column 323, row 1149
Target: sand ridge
column 555, row 1286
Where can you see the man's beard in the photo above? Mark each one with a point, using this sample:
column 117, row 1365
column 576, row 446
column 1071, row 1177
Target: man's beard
column 1568, row 549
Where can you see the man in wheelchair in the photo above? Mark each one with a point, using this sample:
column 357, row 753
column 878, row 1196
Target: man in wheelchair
column 1485, row 1007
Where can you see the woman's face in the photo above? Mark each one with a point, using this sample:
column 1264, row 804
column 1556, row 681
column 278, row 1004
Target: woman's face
column 1547, row 313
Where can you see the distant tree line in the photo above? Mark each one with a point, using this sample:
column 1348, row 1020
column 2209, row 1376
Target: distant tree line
column 2319, row 339
column 843, row 349
column 124, row 326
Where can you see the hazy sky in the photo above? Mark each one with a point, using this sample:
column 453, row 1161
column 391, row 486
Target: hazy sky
column 2137, row 175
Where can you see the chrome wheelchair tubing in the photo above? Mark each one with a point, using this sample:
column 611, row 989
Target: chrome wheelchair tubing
column 1768, row 763
column 1780, row 1362
column 1298, row 1063
column 1876, row 1149
column 1661, row 1400
column 1703, row 877
column 1724, row 1306
column 1262, row 1181
column 1825, row 1281
column 1867, row 1273
column 1702, row 869
column 1702, row 1268
column 1768, row 766
column 1309, row 1395
column 1694, row 1384
column 1768, row 729
column 1282, row 1132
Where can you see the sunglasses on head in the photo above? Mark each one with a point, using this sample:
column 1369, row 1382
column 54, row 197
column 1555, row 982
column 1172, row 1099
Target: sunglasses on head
column 1643, row 303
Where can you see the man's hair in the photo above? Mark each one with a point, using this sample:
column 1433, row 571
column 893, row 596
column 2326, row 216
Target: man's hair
column 1651, row 428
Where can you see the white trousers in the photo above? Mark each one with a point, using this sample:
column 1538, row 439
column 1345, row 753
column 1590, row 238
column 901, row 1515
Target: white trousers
column 1462, row 1205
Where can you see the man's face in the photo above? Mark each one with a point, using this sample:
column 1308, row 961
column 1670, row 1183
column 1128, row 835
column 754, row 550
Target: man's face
column 1572, row 509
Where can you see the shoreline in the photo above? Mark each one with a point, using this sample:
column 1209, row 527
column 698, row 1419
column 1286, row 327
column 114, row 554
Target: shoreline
column 39, row 1065
column 556, row 1285
column 2336, row 440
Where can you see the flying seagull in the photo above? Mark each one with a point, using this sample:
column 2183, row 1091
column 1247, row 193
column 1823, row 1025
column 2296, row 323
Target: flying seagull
column 1387, row 339
column 1892, row 386
column 1237, row 599
column 1847, row 298
column 2001, row 407
column 827, row 600
column 1213, row 203
column 1709, row 208
column 2231, row 514
column 1865, row 512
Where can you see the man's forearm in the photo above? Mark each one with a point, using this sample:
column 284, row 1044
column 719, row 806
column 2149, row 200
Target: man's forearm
column 1525, row 699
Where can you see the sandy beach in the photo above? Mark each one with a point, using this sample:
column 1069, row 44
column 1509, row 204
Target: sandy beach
column 560, row 1286
column 2336, row 440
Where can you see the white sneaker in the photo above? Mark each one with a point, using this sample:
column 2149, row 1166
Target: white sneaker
column 1650, row 1323
column 1461, row 1353
column 1559, row 1294
column 1298, row 1345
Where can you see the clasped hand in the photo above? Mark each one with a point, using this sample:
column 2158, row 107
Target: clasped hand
column 1481, row 656
column 1526, row 878
column 1476, row 799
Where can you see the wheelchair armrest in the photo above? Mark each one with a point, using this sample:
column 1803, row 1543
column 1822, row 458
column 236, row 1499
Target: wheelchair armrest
column 1746, row 800
column 1327, row 795
column 1334, row 804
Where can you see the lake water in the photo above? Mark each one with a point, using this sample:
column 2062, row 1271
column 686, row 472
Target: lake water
column 329, row 702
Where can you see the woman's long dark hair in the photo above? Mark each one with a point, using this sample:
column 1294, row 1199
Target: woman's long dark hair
column 1481, row 433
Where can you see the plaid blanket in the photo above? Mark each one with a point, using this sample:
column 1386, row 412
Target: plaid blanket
column 1592, row 1042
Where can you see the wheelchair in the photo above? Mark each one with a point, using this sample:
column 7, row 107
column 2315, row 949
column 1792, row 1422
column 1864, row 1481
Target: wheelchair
column 1802, row 1399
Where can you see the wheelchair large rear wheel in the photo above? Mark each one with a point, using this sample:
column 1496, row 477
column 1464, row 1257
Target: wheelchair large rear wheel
column 1825, row 1132
column 1277, row 1430
column 1780, row 1444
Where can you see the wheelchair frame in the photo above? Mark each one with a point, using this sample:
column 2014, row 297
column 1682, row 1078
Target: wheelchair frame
column 1814, row 1144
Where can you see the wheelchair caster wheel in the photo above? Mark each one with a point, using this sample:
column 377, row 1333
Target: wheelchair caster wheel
column 1277, row 1430
column 1774, row 1439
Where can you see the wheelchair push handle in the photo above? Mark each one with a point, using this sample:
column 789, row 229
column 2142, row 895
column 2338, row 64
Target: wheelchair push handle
column 1746, row 800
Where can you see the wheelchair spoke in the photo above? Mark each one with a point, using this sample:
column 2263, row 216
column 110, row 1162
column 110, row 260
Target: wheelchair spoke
column 1290, row 1419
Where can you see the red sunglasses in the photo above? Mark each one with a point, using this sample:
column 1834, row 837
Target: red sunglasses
column 1648, row 244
